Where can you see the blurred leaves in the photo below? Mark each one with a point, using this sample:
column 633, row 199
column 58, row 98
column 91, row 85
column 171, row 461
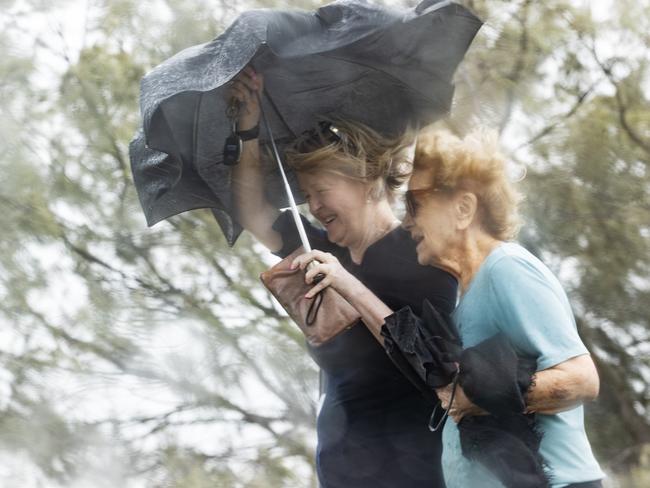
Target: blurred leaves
column 156, row 352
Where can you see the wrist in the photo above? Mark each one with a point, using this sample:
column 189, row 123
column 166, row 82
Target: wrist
column 247, row 123
column 248, row 134
column 350, row 287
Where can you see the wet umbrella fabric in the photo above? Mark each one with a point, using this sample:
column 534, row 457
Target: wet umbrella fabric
column 389, row 68
column 492, row 376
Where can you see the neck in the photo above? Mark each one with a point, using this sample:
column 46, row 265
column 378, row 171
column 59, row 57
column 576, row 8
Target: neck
column 464, row 260
column 380, row 221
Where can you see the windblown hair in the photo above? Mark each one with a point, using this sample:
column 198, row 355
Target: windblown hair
column 355, row 151
column 476, row 164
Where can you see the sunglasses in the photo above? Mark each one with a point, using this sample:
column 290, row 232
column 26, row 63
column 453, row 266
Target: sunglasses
column 411, row 199
column 315, row 138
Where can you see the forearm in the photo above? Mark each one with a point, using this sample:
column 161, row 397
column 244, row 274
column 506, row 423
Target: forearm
column 372, row 310
column 564, row 387
column 254, row 212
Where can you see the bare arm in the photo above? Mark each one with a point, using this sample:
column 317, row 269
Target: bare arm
column 564, row 386
column 372, row 310
column 255, row 213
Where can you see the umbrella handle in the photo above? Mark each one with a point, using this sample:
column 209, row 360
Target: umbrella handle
column 435, row 427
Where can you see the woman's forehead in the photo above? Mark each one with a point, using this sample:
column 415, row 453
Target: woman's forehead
column 321, row 178
column 309, row 178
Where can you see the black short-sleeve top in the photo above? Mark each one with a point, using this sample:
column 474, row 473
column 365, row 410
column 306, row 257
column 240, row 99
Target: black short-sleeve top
column 372, row 427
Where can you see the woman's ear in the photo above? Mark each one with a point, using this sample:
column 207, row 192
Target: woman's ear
column 465, row 207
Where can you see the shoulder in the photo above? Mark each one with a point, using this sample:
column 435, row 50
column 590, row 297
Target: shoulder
column 511, row 263
column 517, row 280
column 531, row 307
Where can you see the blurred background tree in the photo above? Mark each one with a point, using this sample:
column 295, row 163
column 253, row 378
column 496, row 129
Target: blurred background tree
column 153, row 357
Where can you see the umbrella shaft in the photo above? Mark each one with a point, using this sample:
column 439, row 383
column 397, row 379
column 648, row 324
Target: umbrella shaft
column 287, row 188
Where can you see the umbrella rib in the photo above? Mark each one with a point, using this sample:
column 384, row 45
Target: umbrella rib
column 294, row 209
column 278, row 113
column 195, row 130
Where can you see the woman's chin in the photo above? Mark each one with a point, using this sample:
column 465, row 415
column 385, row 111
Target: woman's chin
column 422, row 255
column 335, row 237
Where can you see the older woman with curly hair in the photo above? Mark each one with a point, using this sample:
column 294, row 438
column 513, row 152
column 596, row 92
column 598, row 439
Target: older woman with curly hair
column 463, row 217
column 372, row 426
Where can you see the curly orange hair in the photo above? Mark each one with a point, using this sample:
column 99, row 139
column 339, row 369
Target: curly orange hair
column 474, row 163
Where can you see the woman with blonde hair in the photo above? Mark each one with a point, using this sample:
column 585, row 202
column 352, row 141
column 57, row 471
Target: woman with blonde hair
column 372, row 426
column 462, row 213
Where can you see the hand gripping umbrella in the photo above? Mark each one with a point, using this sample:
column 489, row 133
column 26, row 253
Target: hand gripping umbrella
column 386, row 67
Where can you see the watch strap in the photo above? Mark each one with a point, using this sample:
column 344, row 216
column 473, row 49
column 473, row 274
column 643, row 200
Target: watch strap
column 249, row 134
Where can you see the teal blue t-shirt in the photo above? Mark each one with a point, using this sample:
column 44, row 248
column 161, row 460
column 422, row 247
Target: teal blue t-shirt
column 515, row 293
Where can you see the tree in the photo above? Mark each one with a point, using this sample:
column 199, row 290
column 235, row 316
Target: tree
column 135, row 355
column 93, row 296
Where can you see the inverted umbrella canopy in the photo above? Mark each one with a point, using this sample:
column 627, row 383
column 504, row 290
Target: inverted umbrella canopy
column 388, row 68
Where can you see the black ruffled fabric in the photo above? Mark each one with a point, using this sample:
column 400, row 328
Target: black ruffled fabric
column 430, row 344
column 492, row 376
column 507, row 441
column 507, row 446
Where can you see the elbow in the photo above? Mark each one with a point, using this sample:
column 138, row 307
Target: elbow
column 589, row 380
column 581, row 383
column 592, row 388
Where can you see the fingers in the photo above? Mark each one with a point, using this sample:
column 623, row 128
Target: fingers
column 244, row 86
column 246, row 81
column 257, row 79
column 240, row 91
column 303, row 260
column 315, row 270
column 444, row 395
column 316, row 289
column 249, row 79
column 315, row 262
column 241, row 94
column 444, row 403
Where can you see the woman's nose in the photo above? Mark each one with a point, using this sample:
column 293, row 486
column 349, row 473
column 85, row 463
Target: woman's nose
column 314, row 204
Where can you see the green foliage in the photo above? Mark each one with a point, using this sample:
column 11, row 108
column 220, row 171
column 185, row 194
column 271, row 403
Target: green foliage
column 157, row 352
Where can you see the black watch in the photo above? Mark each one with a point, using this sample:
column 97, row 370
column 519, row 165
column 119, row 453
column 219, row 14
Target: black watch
column 250, row 134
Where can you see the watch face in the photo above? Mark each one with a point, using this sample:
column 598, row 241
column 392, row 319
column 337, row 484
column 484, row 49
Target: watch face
column 232, row 150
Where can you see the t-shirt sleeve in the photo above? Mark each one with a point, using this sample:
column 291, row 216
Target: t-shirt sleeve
column 534, row 313
column 286, row 227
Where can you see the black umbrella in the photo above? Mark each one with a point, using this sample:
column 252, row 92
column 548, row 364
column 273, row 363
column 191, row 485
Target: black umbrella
column 386, row 67
column 492, row 375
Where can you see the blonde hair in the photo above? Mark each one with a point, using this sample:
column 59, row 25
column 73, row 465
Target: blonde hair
column 354, row 150
column 476, row 164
